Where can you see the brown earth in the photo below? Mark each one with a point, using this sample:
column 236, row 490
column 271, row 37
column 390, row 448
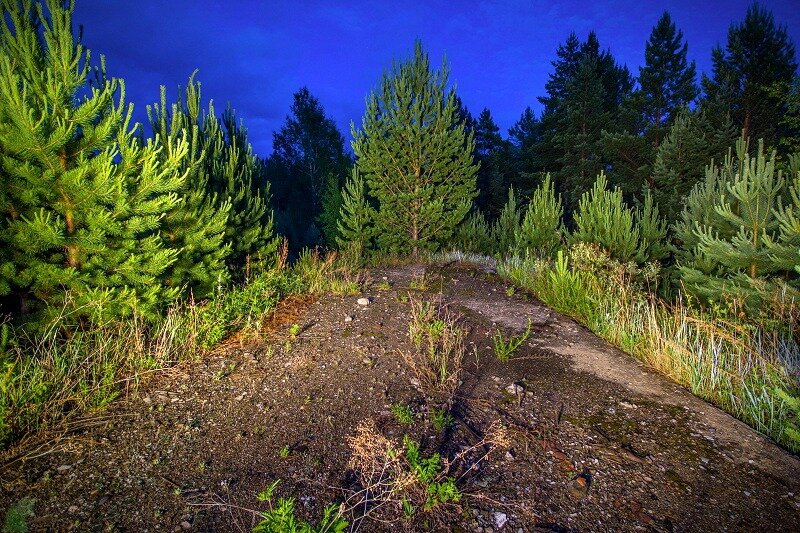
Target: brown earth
column 599, row 442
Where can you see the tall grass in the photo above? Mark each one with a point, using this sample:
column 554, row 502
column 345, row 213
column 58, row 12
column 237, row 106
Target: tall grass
column 68, row 369
column 738, row 366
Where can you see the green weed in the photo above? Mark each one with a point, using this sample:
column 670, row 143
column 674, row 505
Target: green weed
column 503, row 348
column 280, row 516
column 441, row 419
column 403, row 414
column 16, row 519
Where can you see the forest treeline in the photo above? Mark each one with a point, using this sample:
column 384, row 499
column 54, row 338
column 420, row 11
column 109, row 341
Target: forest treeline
column 694, row 184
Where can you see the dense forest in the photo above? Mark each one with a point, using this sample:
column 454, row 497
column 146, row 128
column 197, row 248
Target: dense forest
column 630, row 200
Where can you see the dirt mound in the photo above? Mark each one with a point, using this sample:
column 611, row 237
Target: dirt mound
column 598, row 442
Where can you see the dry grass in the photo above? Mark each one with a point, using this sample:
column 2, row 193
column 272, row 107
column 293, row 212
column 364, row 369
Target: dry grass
column 438, row 341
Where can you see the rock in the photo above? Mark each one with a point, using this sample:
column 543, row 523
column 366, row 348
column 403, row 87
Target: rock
column 515, row 389
column 500, row 519
column 558, row 455
column 185, row 525
column 63, row 468
column 348, row 318
column 72, row 509
column 415, row 383
column 363, row 301
column 579, row 487
column 509, row 455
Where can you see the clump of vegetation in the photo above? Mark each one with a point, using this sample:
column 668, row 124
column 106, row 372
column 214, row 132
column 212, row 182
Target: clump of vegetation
column 505, row 348
column 16, row 518
column 280, row 516
column 441, row 419
column 400, row 482
column 403, row 413
column 439, row 348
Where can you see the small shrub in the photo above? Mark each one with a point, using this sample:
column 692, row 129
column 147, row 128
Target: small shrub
column 504, row 349
column 541, row 230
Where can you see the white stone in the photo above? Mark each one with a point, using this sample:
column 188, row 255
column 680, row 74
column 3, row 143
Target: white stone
column 500, row 519
column 363, row 301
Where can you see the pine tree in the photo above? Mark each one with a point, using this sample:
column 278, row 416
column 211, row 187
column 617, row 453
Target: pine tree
column 758, row 58
column 728, row 237
column 356, row 217
column 652, row 232
column 332, row 201
column 506, row 226
column 603, row 218
column 310, row 149
column 692, row 141
column 473, row 235
column 541, row 230
column 84, row 196
column 415, row 157
column 237, row 175
column 784, row 252
column 195, row 228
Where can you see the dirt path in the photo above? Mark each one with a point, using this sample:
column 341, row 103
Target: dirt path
column 191, row 450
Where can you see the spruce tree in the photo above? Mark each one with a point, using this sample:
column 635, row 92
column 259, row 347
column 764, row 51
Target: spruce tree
column 729, row 226
column 668, row 80
column 541, row 230
column 415, row 156
column 666, row 85
column 585, row 94
column 758, row 58
column 525, row 136
column 690, row 144
column 493, row 154
column 84, row 196
column 195, row 228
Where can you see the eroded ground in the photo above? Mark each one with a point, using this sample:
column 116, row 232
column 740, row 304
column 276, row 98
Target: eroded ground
column 191, row 449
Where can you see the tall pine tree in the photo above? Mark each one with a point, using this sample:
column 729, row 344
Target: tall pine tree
column 415, row 156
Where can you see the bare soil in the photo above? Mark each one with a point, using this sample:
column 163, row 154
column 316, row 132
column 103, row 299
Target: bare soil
column 599, row 443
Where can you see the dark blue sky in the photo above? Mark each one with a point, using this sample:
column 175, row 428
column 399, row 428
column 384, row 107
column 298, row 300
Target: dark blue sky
column 256, row 54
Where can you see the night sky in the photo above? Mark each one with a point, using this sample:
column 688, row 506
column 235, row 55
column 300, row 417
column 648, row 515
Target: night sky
column 256, row 54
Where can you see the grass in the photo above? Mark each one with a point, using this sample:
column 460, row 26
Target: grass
column 66, row 370
column 738, row 366
column 503, row 348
